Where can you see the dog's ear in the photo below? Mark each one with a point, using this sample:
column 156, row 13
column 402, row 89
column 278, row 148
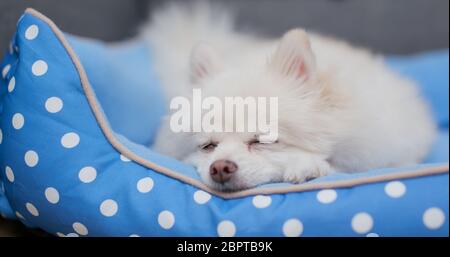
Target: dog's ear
column 204, row 62
column 294, row 57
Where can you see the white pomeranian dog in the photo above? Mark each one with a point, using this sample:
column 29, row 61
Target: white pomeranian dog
column 340, row 107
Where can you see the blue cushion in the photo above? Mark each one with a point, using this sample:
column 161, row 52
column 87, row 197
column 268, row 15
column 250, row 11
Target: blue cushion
column 63, row 165
column 430, row 71
column 125, row 85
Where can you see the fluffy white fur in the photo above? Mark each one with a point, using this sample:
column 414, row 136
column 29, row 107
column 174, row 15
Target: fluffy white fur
column 340, row 107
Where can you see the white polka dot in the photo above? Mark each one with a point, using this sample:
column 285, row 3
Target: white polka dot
column 292, row 228
column 124, row 159
column 52, row 195
column 145, row 185
column 18, row 121
column 1, row 136
column 395, row 189
column 31, row 158
column 32, row 32
column 11, row 84
column 433, row 218
column 87, row 174
column 9, row 174
column 201, row 197
column 20, row 216
column 166, row 219
column 372, row 235
column 53, row 104
column 362, row 223
column 32, row 209
column 261, row 201
column 109, row 208
column 60, row 234
column 72, row 235
column 70, row 140
column 326, row 196
column 39, row 68
column 6, row 70
column 226, row 228
column 134, row 235
column 80, row 228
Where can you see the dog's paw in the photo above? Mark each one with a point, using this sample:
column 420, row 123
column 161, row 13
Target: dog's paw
column 307, row 168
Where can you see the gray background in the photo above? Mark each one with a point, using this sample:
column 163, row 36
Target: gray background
column 388, row 26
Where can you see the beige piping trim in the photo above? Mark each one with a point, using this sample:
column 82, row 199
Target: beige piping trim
column 132, row 156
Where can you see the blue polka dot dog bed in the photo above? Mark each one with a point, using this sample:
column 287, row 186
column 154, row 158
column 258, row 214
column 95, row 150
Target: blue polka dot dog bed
column 74, row 120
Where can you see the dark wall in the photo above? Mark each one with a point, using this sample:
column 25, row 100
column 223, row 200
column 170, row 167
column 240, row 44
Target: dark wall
column 105, row 19
column 400, row 26
column 390, row 26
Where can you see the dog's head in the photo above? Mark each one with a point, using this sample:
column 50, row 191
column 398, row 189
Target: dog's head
column 240, row 160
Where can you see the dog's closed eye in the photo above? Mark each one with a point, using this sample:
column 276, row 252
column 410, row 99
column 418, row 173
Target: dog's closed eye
column 208, row 147
column 253, row 142
column 256, row 142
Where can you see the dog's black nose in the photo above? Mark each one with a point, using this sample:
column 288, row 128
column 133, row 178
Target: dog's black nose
column 221, row 171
